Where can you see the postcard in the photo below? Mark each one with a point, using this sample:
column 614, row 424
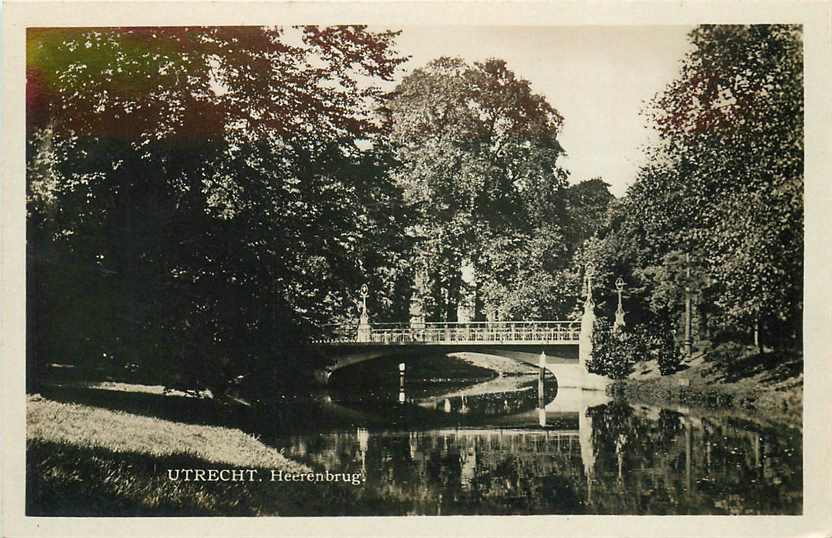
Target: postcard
column 405, row 269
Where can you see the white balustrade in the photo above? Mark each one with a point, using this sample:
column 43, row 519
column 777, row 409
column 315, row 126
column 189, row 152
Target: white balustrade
column 484, row 332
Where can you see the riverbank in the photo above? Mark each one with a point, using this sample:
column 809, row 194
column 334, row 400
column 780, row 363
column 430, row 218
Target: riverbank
column 766, row 386
column 87, row 460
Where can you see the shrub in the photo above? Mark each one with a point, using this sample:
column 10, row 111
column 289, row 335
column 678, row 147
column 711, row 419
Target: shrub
column 639, row 341
column 668, row 354
column 657, row 342
column 728, row 352
column 613, row 352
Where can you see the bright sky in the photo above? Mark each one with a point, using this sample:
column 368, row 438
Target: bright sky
column 596, row 77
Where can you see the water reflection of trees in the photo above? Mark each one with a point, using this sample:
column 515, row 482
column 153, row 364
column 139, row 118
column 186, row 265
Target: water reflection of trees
column 459, row 472
column 633, row 461
column 665, row 462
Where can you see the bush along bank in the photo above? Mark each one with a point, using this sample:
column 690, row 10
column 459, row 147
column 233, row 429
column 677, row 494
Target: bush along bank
column 617, row 351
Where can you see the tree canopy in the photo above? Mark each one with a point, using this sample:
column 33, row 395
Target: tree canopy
column 724, row 186
column 478, row 152
column 199, row 197
column 202, row 199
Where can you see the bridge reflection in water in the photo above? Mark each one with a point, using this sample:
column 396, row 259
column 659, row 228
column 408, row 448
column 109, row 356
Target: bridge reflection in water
column 569, row 456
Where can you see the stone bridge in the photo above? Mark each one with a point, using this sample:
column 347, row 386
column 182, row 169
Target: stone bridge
column 562, row 347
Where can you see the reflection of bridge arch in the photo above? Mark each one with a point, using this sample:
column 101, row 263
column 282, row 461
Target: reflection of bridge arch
column 567, row 408
column 567, row 430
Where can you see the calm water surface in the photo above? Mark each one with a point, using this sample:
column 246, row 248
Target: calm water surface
column 518, row 445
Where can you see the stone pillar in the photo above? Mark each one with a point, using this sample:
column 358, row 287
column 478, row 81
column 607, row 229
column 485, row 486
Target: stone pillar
column 364, row 320
column 587, row 449
column 417, row 309
column 619, row 320
column 417, row 312
column 364, row 329
column 587, row 323
column 585, row 345
column 619, row 313
column 590, row 381
column 541, row 396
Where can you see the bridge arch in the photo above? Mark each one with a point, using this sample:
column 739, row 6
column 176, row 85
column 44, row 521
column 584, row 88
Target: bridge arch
column 561, row 360
column 566, row 344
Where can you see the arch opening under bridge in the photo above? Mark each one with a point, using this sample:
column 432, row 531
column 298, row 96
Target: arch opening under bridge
column 559, row 346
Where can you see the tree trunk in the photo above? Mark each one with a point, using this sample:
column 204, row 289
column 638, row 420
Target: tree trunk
column 704, row 332
column 454, row 288
column 757, row 335
column 479, row 305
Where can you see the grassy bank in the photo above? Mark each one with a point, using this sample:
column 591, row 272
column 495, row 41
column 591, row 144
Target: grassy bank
column 84, row 460
column 768, row 386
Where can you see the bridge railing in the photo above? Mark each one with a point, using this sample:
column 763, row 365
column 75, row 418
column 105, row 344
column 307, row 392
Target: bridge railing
column 453, row 333
column 336, row 333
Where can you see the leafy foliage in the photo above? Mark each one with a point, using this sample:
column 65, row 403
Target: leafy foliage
column 734, row 126
column 662, row 346
column 202, row 199
column 613, row 352
column 478, row 150
column 721, row 196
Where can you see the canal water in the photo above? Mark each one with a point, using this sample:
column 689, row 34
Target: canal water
column 517, row 444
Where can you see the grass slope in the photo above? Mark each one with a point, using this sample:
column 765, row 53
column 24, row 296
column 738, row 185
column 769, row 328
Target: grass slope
column 768, row 385
column 84, row 460
column 68, row 423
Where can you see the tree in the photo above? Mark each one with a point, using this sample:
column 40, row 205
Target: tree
column 743, row 142
column 478, row 152
column 198, row 197
column 587, row 205
column 725, row 184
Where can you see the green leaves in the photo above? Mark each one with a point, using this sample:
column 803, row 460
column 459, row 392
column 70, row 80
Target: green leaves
column 213, row 188
column 614, row 353
column 726, row 182
column 478, row 152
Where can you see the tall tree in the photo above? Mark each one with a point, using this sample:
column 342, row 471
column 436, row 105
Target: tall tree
column 725, row 185
column 588, row 203
column 478, row 150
